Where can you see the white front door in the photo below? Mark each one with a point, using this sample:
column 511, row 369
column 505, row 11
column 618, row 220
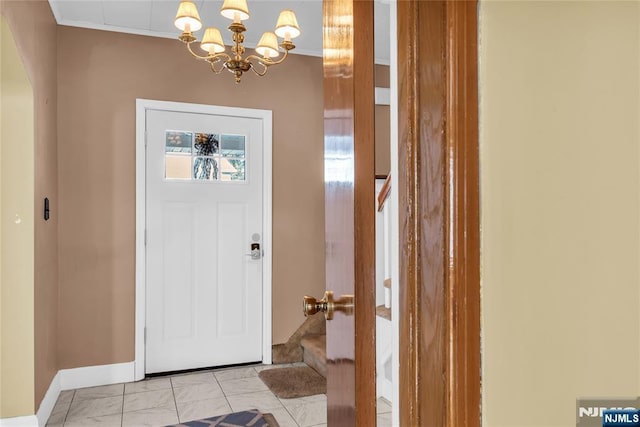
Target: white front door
column 204, row 215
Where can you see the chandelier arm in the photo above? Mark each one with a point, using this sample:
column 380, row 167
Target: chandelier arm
column 267, row 62
column 213, row 66
column 259, row 73
column 211, row 58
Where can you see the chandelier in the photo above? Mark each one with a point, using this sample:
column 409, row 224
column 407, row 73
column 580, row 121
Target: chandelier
column 188, row 20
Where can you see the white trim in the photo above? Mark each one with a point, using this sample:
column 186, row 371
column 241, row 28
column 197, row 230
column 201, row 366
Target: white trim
column 91, row 376
column 383, row 96
column 26, row 421
column 395, row 233
column 49, row 400
column 141, row 278
column 267, row 227
column 142, row 105
column 69, row 379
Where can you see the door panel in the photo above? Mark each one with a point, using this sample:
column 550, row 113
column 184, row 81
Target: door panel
column 178, row 300
column 349, row 209
column 204, row 211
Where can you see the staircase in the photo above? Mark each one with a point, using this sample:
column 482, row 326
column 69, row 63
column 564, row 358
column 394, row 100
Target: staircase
column 314, row 352
column 307, row 344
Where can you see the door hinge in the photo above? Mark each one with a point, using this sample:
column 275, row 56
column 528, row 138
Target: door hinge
column 145, row 137
column 145, row 237
column 145, row 334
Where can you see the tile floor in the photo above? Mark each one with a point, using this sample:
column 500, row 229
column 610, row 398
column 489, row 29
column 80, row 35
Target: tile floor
column 180, row 398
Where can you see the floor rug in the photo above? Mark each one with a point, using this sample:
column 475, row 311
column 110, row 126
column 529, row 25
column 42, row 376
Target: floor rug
column 289, row 383
column 252, row 418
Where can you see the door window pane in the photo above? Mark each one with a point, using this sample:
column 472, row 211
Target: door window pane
column 205, row 168
column 232, row 169
column 177, row 167
column 206, row 144
column 178, row 141
column 232, row 145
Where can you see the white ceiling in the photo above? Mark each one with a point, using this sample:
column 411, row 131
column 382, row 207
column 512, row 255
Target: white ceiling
column 155, row 18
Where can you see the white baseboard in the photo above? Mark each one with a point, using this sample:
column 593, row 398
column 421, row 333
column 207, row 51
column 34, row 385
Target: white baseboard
column 91, row 376
column 28, row 421
column 49, row 400
column 69, row 379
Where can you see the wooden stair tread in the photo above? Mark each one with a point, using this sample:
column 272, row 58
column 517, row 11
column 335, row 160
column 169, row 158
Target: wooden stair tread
column 383, row 311
column 384, row 193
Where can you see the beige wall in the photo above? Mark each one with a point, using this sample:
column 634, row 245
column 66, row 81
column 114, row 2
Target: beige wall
column 382, row 129
column 34, row 30
column 560, row 107
column 100, row 76
column 16, row 216
column 382, row 136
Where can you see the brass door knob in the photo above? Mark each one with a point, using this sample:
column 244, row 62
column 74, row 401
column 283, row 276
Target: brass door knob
column 327, row 305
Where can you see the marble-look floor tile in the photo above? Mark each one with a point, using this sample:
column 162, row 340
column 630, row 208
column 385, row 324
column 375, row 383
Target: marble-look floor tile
column 98, row 392
column 65, row 396
column 384, row 420
column 260, row 368
column 103, row 421
column 263, row 401
column 198, row 395
column 304, row 400
column 320, row 425
column 193, row 379
column 61, row 407
column 56, row 420
column 198, row 392
column 148, row 399
column 150, row 417
column 95, row 407
column 309, row 414
column 189, row 411
column 283, row 417
column 234, row 374
column 152, row 384
column 383, row 406
column 243, row 385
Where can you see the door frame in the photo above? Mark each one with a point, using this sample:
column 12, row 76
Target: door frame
column 142, row 105
column 439, row 213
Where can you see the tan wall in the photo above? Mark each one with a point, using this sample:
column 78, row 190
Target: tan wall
column 381, row 75
column 560, row 109
column 382, row 122
column 34, row 29
column 100, row 76
column 16, row 215
column 382, row 136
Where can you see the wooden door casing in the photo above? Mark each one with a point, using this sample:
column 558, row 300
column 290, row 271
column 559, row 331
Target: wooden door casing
column 350, row 208
column 438, row 213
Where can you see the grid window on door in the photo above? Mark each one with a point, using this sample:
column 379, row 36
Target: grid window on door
column 204, row 156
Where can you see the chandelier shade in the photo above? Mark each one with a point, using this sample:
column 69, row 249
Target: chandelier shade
column 268, row 45
column 188, row 21
column 212, row 41
column 187, row 18
column 287, row 26
column 235, row 10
